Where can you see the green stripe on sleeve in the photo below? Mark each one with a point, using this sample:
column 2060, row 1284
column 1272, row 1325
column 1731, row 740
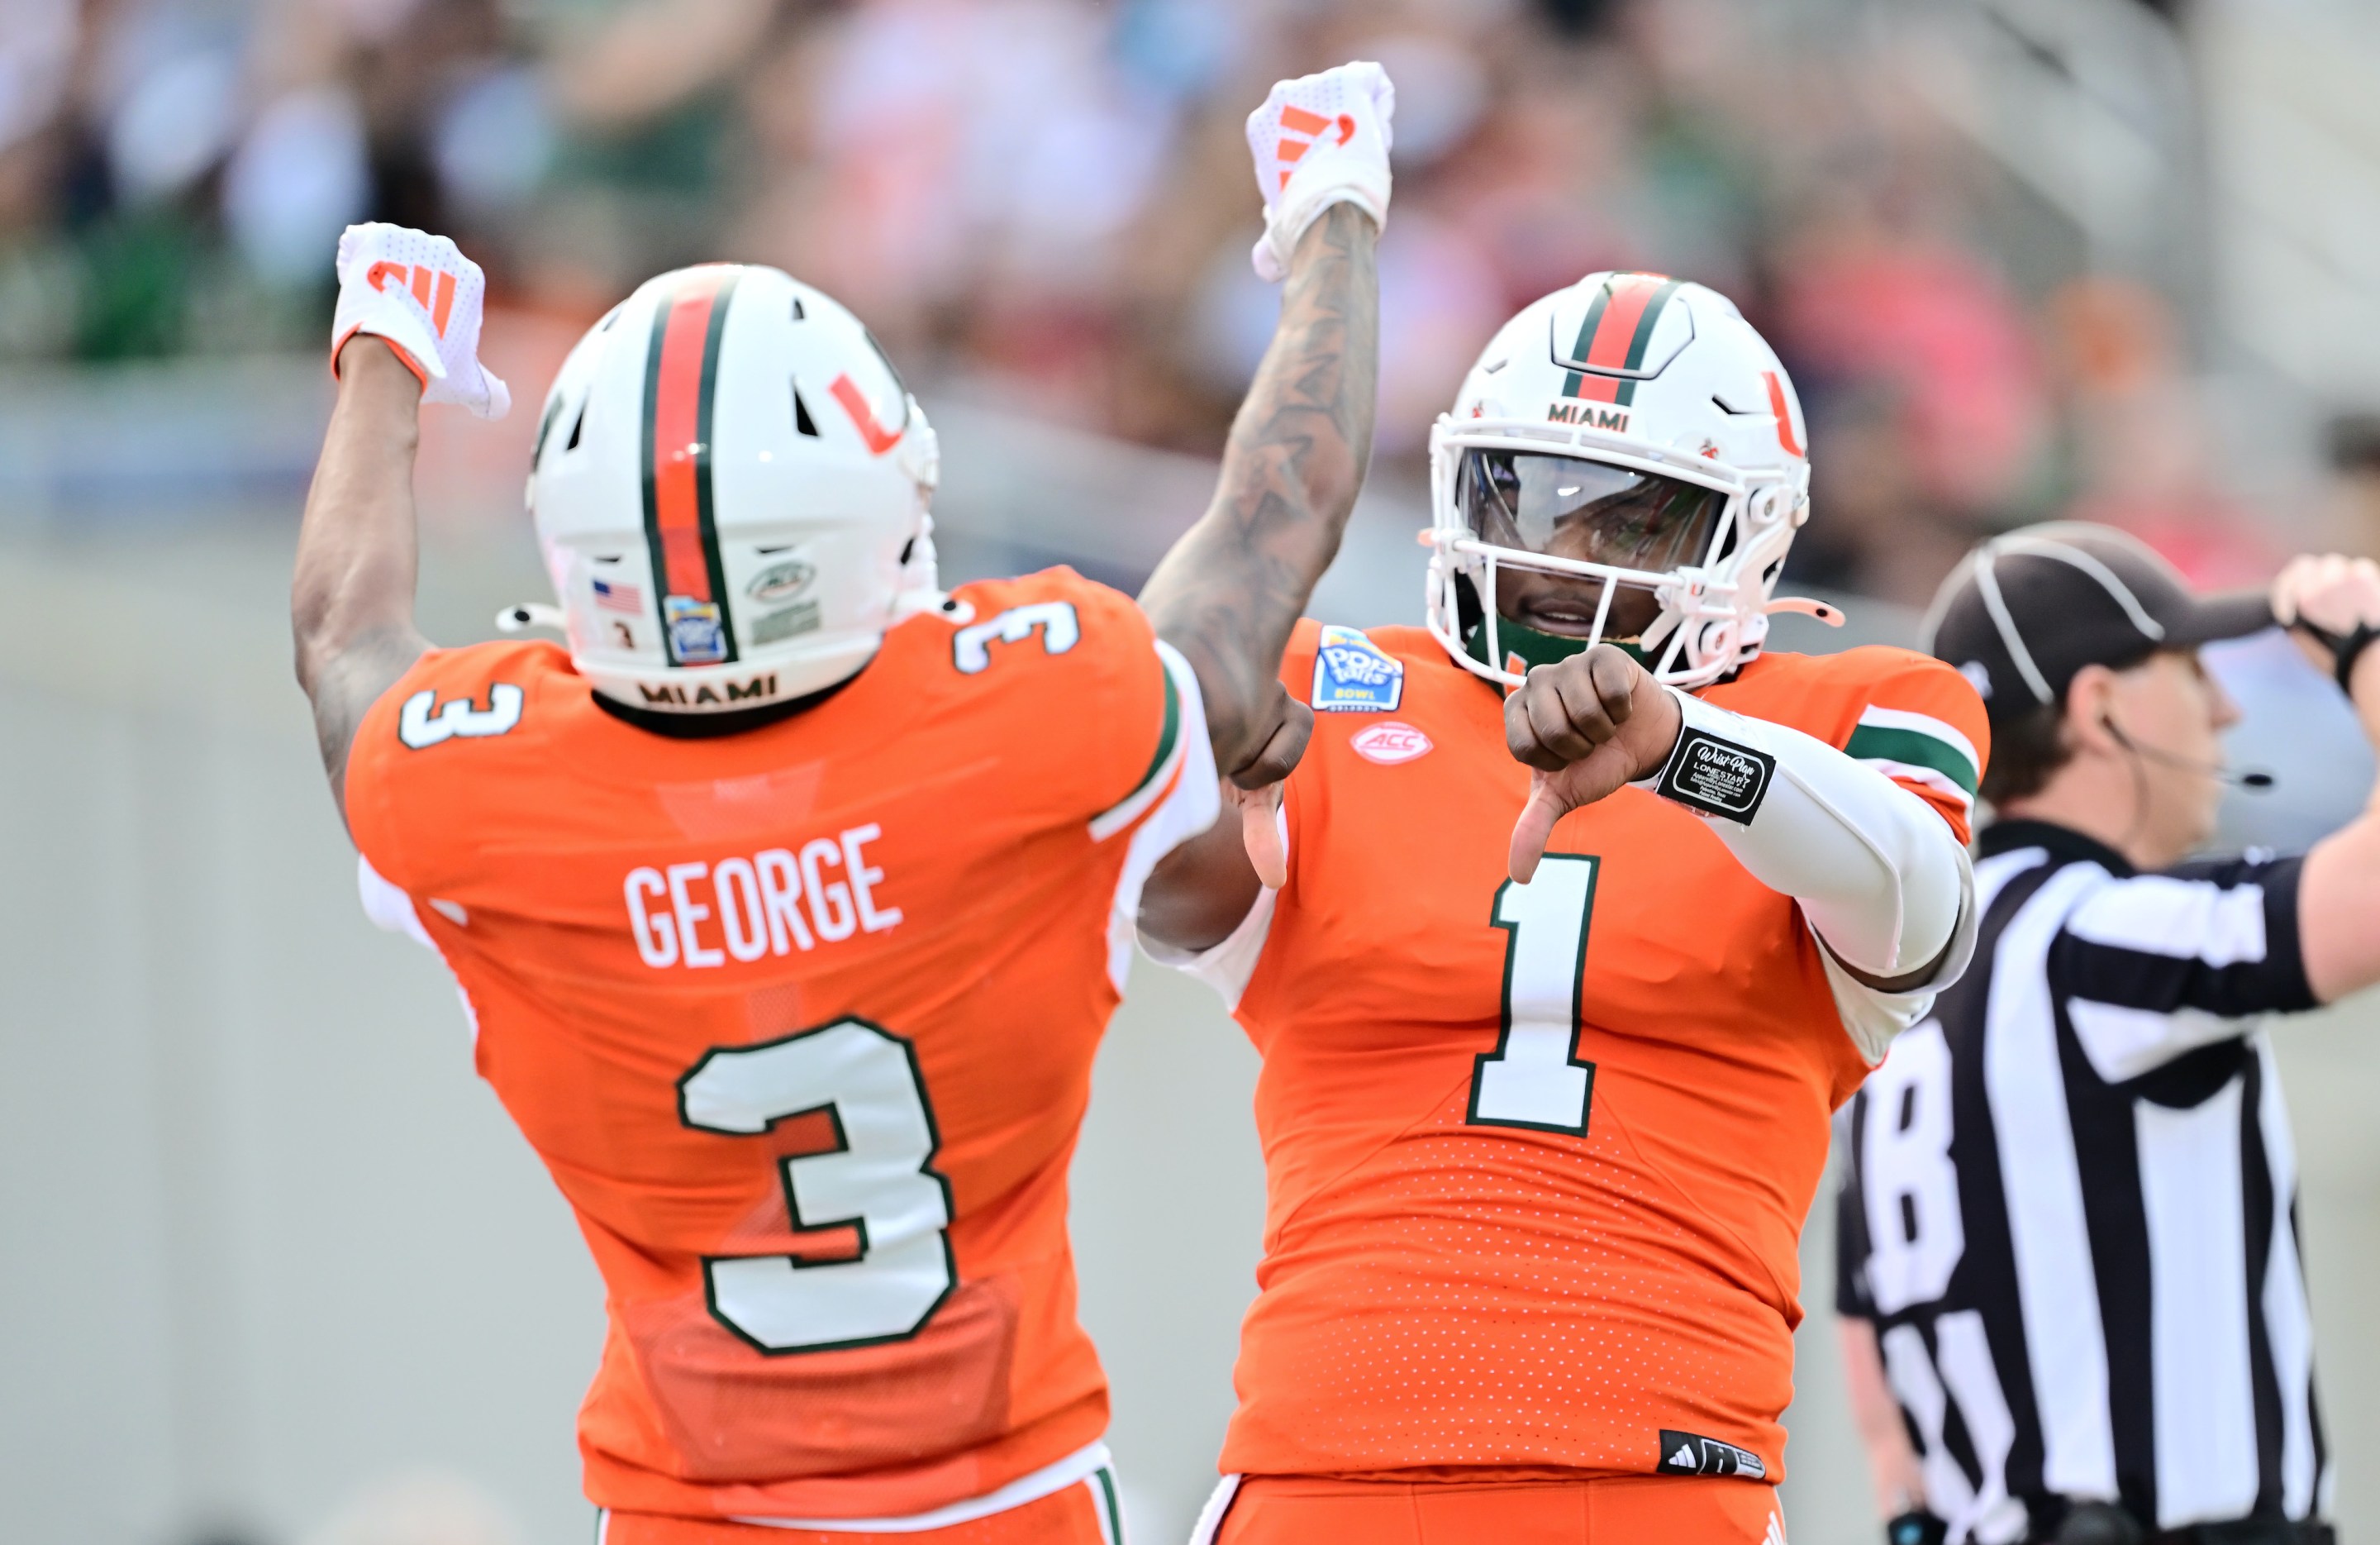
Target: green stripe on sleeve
column 1170, row 751
column 1871, row 742
column 1166, row 737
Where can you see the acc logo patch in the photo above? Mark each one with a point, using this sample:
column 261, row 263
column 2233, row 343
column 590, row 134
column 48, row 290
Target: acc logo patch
column 1390, row 742
column 1352, row 674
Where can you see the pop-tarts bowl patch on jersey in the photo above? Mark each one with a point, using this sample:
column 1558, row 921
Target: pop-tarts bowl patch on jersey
column 1352, row 674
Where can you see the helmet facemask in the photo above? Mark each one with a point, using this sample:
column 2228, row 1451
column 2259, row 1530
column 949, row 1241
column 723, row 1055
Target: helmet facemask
column 1585, row 549
column 1627, row 529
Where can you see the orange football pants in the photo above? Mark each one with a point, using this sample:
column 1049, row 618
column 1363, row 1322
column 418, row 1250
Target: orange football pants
column 1071, row 1517
column 1631, row 1510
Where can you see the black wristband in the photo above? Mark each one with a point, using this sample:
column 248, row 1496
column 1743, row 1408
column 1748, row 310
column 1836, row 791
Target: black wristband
column 2350, row 650
column 2346, row 649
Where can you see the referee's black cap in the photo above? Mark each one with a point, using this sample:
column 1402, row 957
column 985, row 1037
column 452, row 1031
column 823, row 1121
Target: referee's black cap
column 2025, row 612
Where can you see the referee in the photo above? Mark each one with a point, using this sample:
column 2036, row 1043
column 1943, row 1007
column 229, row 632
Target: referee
column 2068, row 1246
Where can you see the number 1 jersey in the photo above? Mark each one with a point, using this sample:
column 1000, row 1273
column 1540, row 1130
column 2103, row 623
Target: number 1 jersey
column 1538, row 1155
column 801, row 1021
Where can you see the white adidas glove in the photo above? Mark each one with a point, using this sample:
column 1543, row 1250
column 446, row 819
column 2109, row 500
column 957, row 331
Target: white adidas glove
column 1318, row 140
column 422, row 295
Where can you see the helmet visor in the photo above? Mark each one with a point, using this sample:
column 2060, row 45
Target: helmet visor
column 1587, row 511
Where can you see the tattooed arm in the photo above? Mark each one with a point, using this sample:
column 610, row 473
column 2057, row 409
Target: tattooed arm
column 1231, row 589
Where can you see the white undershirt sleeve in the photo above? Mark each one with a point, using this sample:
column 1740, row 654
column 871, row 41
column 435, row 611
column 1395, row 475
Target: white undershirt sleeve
column 1186, row 799
column 1227, row 966
column 1884, row 881
column 387, row 907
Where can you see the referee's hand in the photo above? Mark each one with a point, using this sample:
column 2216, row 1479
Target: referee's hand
column 2323, row 601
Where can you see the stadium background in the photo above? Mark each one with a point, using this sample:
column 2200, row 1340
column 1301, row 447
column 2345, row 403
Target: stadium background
column 274, row 1267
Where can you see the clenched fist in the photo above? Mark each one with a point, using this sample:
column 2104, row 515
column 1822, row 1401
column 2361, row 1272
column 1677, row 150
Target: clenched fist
column 1589, row 724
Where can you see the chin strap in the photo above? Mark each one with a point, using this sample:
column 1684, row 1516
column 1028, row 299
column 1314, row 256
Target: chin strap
column 1881, row 877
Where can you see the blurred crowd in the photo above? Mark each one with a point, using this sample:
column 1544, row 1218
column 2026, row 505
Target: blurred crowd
column 1045, row 203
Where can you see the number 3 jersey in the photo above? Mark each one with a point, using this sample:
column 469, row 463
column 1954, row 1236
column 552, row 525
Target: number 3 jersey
column 801, row 1020
column 1538, row 1155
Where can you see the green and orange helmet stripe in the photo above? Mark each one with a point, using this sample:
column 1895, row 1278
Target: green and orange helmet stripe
column 1617, row 328
column 681, row 379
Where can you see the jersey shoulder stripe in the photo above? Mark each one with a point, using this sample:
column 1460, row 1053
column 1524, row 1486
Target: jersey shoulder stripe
column 1161, row 766
column 1917, row 739
column 1906, row 715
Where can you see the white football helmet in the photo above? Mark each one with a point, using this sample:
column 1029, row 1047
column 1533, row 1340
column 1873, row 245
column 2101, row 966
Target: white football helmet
column 730, row 487
column 1632, row 429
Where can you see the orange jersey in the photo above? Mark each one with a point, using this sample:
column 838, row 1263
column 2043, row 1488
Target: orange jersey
column 801, row 1021
column 1614, row 1510
column 1086, row 1513
column 1455, row 1282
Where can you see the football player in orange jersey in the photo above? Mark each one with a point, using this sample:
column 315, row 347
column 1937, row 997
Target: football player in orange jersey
column 1595, row 910
column 790, row 897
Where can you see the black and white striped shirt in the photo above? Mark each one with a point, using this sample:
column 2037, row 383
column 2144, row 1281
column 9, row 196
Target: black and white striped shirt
column 2071, row 1209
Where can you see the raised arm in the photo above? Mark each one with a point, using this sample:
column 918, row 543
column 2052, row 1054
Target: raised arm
column 1231, row 589
column 406, row 332
column 351, row 601
column 2336, row 602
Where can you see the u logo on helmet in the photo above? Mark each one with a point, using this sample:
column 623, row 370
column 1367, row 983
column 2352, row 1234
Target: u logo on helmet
column 846, row 392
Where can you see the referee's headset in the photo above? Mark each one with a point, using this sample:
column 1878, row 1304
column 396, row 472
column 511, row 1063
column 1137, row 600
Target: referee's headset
column 2254, row 783
column 1987, row 585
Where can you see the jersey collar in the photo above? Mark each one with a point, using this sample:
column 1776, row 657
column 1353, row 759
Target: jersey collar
column 2063, row 843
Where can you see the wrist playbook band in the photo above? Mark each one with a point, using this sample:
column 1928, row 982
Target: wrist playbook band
column 1715, row 775
column 1879, row 875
